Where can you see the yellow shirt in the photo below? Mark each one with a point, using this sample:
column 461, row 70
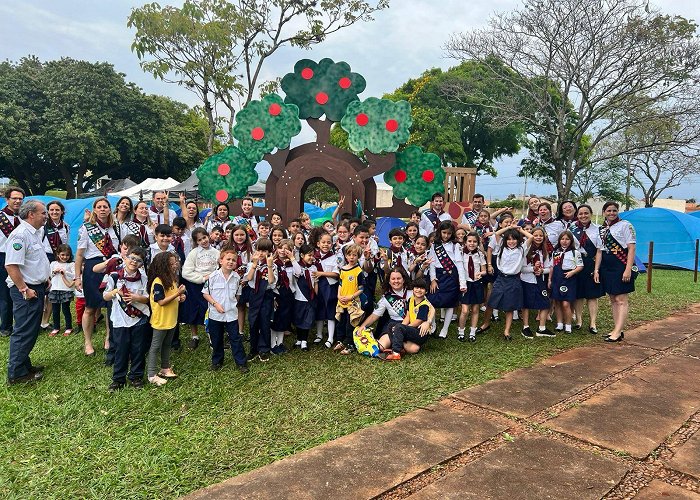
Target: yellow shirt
column 162, row 317
column 418, row 311
column 351, row 280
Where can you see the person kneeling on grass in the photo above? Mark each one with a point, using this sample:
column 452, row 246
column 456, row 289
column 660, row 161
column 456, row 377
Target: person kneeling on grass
column 412, row 333
column 126, row 289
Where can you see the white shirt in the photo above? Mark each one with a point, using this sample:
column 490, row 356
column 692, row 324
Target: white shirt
column 252, row 221
column 479, row 259
column 223, row 290
column 405, row 258
column 571, row 260
column 425, row 227
column 63, row 232
column 622, row 231
column 527, row 274
column 510, row 261
column 384, row 306
column 212, row 223
column 199, row 263
column 330, row 265
column 118, row 316
column 24, row 248
column 251, row 283
column 91, row 251
column 455, row 253
column 593, row 233
column 57, row 282
column 154, row 250
column 159, row 218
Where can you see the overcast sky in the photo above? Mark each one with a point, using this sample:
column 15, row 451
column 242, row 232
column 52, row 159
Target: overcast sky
column 401, row 43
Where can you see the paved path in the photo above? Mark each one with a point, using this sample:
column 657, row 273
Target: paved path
column 608, row 421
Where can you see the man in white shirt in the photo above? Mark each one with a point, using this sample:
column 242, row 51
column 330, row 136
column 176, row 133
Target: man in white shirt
column 157, row 212
column 9, row 221
column 431, row 218
column 28, row 272
column 472, row 216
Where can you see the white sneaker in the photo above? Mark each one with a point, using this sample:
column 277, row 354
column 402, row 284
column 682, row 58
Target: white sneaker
column 156, row 380
column 443, row 334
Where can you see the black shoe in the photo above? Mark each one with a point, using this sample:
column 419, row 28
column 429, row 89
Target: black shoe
column 251, row 357
column 137, row 383
column 5, row 333
column 176, row 346
column 36, row 369
column 557, row 329
column 461, row 338
column 264, row 357
column 472, row 338
column 216, row 367
column 483, row 330
column 29, row 378
column 618, row 339
column 194, row 343
column 545, row 333
column 116, row 386
column 494, row 318
column 577, row 327
column 592, row 331
column 527, row 333
column 243, row 368
column 507, row 337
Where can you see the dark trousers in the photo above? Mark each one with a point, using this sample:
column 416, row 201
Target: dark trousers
column 5, row 298
column 403, row 333
column 260, row 310
column 56, row 313
column 109, row 355
column 343, row 330
column 129, row 346
column 216, row 335
column 368, row 291
column 27, row 315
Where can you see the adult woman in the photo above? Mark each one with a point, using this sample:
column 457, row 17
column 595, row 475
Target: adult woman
column 144, row 224
column 97, row 240
column 56, row 232
column 588, row 291
column 617, row 271
column 391, row 307
column 219, row 216
column 533, row 203
column 550, row 225
column 566, row 215
column 123, row 215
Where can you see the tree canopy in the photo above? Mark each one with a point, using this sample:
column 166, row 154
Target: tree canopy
column 64, row 124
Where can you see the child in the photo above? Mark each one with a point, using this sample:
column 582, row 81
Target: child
column 165, row 296
column 180, row 243
column 419, row 262
column 566, row 263
column 264, row 229
column 535, row 295
column 163, row 242
column 411, row 231
column 507, row 293
column 284, row 296
column 126, row 290
column 200, row 263
column 328, row 227
column 298, row 239
column 415, row 217
column 215, row 237
column 327, row 279
column 492, row 248
column 241, row 244
column 220, row 291
column 276, row 219
column 474, row 268
column 278, row 234
column 305, row 295
column 413, row 332
column 446, row 273
column 342, row 237
column 396, row 255
column 62, row 289
column 348, row 312
column 294, row 226
column 261, row 277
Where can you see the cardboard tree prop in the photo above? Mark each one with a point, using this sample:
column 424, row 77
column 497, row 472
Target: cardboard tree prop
column 378, row 127
column 416, row 175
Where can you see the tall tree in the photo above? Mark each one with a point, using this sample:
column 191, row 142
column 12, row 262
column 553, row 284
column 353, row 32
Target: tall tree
column 217, row 48
column 606, row 58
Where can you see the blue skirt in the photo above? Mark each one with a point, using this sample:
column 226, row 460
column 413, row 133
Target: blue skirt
column 611, row 270
column 586, row 288
column 91, row 284
column 304, row 314
column 563, row 289
column 491, row 278
column 507, row 293
column 474, row 293
column 535, row 296
column 448, row 292
column 326, row 300
column 194, row 308
column 284, row 309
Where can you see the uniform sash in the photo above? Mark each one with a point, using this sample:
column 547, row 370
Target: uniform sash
column 101, row 240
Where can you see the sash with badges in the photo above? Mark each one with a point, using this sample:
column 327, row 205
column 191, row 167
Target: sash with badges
column 6, row 226
column 432, row 217
column 584, row 241
column 101, row 240
column 443, row 257
column 397, row 303
column 129, row 309
column 244, row 221
column 615, row 248
column 51, row 232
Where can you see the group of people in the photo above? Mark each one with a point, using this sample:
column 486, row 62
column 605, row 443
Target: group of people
column 155, row 273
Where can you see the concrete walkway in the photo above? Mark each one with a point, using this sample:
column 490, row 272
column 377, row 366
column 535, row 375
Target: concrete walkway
column 608, row 421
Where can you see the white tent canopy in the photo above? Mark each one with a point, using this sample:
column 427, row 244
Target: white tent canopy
column 147, row 187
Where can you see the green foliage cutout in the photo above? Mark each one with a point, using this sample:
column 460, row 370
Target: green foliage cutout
column 323, row 88
column 379, row 125
column 416, row 175
column 265, row 125
column 226, row 175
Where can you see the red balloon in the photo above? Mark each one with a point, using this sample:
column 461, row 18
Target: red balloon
column 400, row 176
column 428, row 176
column 362, row 119
column 257, row 133
column 307, row 73
column 392, row 125
column 344, row 82
column 221, row 195
column 274, row 109
column 224, row 169
column 322, row 98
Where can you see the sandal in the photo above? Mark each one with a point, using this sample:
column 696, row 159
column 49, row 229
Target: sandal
column 53, row 333
column 156, row 380
column 167, row 375
column 346, row 351
column 339, row 347
column 68, row 332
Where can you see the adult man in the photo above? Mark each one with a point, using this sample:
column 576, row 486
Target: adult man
column 28, row 270
column 157, row 212
column 434, row 215
column 477, row 205
column 8, row 222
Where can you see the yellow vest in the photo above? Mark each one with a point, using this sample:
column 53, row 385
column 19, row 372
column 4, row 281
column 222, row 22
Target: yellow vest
column 413, row 308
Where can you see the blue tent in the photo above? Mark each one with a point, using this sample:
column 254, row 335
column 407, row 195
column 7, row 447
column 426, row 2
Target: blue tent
column 386, row 224
column 673, row 233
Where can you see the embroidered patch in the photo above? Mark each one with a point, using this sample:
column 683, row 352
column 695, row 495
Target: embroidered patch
column 17, row 246
column 545, row 293
column 351, row 278
column 635, row 269
column 563, row 289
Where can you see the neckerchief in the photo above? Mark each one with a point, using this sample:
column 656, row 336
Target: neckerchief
column 245, row 221
column 129, row 309
column 51, row 231
column 558, row 256
column 282, row 272
column 433, row 217
column 339, row 244
column 158, row 214
column 610, row 243
column 443, row 257
column 308, row 278
column 395, row 257
column 101, row 240
column 397, row 302
column 408, row 244
column 142, row 231
column 322, row 256
column 261, row 272
column 481, row 230
column 179, row 247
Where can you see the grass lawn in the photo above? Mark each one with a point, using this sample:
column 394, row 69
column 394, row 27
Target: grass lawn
column 69, row 437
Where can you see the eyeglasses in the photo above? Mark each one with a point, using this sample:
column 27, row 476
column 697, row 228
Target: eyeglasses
column 14, row 198
column 137, row 260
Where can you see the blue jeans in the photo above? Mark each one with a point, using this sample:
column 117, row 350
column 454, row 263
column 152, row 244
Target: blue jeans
column 27, row 315
column 216, row 335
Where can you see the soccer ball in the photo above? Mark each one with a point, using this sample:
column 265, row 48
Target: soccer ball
column 365, row 342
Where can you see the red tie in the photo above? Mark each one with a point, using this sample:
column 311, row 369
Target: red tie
column 470, row 267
